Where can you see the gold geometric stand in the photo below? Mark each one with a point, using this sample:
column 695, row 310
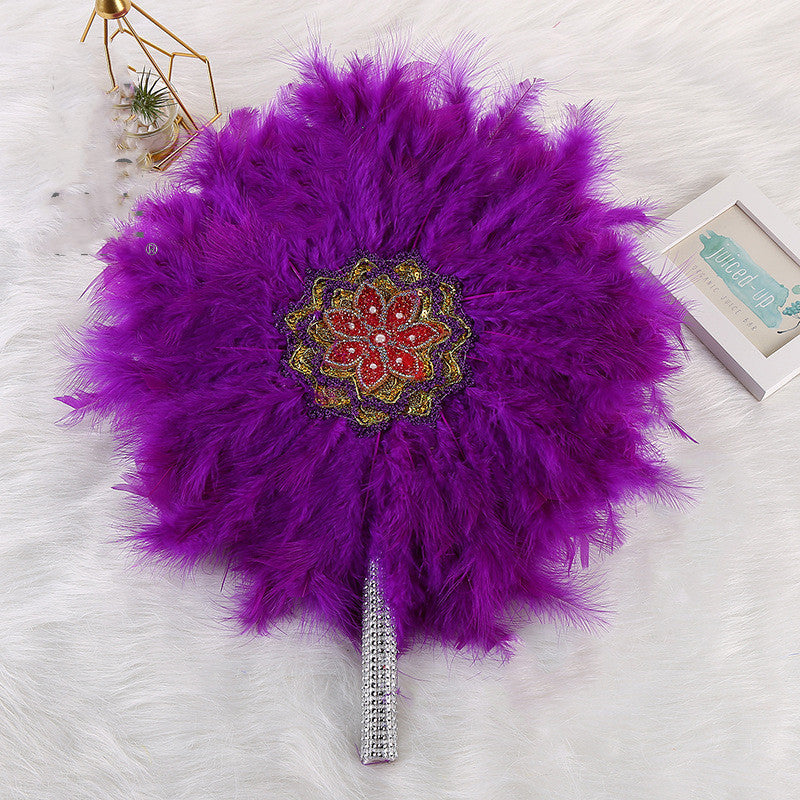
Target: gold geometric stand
column 117, row 10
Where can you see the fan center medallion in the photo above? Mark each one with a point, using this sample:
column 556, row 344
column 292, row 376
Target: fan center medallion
column 379, row 340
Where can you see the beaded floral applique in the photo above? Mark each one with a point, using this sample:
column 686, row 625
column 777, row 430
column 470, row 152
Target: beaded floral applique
column 378, row 341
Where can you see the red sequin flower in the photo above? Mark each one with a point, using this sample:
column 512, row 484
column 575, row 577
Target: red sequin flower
column 378, row 341
column 381, row 339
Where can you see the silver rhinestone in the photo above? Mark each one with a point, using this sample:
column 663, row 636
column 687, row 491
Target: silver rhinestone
column 379, row 675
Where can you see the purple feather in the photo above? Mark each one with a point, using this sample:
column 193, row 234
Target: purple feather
column 479, row 517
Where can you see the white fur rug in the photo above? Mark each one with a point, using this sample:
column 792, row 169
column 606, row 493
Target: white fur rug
column 118, row 682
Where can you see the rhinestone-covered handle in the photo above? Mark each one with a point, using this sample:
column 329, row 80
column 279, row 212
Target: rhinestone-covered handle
column 378, row 675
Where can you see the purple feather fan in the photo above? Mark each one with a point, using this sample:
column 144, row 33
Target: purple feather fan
column 386, row 320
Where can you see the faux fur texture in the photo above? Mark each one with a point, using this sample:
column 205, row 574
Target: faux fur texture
column 479, row 513
column 120, row 683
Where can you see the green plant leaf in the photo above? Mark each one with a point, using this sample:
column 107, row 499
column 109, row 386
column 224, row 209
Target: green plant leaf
column 150, row 100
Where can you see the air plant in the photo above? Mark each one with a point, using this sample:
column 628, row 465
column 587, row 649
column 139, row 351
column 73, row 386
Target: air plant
column 150, row 101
